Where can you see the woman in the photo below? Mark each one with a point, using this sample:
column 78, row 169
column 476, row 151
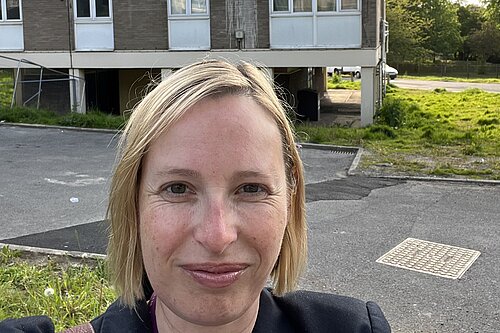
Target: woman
column 207, row 202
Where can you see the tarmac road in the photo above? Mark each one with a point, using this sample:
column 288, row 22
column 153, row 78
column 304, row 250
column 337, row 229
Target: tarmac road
column 449, row 86
column 352, row 222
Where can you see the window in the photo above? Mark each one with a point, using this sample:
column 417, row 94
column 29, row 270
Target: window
column 10, row 10
column 301, row 6
column 327, row 5
column 348, row 4
column 188, row 7
column 92, row 8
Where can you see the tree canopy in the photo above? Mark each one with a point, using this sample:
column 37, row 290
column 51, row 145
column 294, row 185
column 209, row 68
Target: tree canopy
column 442, row 29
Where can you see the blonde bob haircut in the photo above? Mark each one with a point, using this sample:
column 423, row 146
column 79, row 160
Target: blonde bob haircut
column 155, row 115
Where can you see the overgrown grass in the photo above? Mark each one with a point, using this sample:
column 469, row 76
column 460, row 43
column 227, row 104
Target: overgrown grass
column 92, row 119
column 70, row 294
column 337, row 82
column 421, row 132
column 6, row 88
column 450, row 78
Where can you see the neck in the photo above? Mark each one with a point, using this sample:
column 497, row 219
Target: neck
column 168, row 322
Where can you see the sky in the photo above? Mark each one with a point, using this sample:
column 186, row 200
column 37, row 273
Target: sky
column 470, row 2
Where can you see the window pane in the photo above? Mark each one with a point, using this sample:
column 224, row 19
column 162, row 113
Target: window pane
column 102, row 8
column 83, row 8
column 326, row 5
column 280, row 6
column 13, row 12
column 198, row 6
column 349, row 4
column 178, row 7
column 302, row 5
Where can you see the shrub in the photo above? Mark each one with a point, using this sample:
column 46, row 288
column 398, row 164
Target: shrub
column 395, row 111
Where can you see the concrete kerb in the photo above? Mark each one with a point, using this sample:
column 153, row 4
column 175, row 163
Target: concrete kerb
column 48, row 252
column 68, row 128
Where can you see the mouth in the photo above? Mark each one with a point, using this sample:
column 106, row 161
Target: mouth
column 215, row 275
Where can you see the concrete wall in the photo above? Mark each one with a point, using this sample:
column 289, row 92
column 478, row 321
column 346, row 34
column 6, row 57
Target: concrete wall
column 46, row 25
column 250, row 16
column 140, row 25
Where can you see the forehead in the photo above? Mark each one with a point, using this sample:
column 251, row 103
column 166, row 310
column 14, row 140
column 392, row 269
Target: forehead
column 227, row 128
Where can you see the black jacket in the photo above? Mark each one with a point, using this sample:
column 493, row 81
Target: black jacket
column 301, row 311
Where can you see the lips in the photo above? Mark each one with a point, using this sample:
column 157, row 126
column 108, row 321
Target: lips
column 215, row 275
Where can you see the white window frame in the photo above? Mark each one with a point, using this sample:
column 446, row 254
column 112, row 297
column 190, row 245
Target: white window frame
column 93, row 16
column 314, row 9
column 4, row 19
column 188, row 11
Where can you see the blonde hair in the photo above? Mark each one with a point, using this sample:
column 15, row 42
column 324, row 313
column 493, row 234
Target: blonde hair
column 158, row 112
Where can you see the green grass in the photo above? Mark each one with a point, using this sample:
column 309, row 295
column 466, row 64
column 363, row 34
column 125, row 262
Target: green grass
column 6, row 88
column 450, row 79
column 80, row 291
column 92, row 119
column 337, row 82
column 421, row 132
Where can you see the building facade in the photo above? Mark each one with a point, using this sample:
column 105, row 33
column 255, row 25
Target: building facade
column 111, row 49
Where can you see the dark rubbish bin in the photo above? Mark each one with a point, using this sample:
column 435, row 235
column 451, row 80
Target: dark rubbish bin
column 308, row 104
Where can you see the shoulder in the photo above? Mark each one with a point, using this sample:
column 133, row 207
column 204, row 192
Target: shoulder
column 119, row 318
column 319, row 312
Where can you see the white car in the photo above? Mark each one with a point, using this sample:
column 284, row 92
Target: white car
column 337, row 70
column 391, row 72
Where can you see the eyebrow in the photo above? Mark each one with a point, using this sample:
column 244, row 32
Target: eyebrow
column 253, row 174
column 195, row 174
column 178, row 172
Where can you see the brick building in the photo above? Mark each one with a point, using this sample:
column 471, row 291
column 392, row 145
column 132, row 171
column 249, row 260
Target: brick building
column 116, row 46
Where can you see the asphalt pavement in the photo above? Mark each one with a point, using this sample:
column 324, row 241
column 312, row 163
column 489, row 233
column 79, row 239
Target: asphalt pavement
column 53, row 189
column 449, row 86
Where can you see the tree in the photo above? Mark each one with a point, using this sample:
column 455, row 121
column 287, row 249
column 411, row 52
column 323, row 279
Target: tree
column 405, row 32
column 471, row 19
column 485, row 43
column 443, row 32
column 493, row 11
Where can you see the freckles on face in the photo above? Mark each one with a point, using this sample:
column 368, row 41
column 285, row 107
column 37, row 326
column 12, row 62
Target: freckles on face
column 213, row 209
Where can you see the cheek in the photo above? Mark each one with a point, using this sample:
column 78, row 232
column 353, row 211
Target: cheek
column 266, row 227
column 161, row 231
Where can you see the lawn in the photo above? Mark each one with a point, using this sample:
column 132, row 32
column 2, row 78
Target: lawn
column 426, row 133
column 70, row 292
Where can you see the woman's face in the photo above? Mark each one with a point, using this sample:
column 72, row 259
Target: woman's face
column 212, row 211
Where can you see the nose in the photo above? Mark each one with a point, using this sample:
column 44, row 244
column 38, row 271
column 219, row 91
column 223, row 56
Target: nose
column 216, row 228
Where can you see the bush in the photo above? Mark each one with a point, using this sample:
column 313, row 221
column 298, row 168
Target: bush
column 395, row 111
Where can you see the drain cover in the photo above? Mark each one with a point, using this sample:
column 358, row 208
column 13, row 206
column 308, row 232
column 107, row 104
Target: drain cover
column 431, row 258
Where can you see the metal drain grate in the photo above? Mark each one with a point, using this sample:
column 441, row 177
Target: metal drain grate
column 431, row 258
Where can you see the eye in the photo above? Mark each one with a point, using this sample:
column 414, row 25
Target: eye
column 176, row 188
column 252, row 190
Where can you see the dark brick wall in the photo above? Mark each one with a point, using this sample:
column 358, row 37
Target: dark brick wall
column 140, row 25
column 46, row 25
column 228, row 16
column 54, row 94
column 370, row 22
